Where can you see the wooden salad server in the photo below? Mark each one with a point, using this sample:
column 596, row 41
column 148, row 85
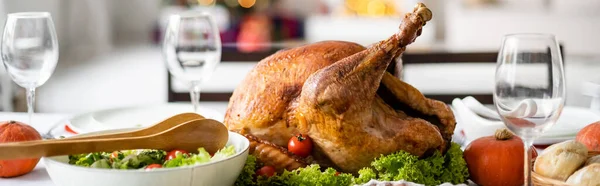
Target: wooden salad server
column 156, row 128
column 153, row 129
column 191, row 135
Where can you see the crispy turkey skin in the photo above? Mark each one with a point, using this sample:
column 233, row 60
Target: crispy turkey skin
column 341, row 96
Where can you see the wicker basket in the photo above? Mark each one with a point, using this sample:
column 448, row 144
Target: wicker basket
column 539, row 180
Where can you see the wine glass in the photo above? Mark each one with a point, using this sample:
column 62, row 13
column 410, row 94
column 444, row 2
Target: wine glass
column 192, row 49
column 529, row 92
column 29, row 51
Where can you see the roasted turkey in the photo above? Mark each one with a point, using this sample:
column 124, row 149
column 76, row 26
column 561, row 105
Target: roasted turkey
column 340, row 94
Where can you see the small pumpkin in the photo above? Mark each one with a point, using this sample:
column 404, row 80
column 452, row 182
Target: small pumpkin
column 13, row 131
column 496, row 160
column 590, row 136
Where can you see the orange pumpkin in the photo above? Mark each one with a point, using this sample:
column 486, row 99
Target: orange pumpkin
column 590, row 136
column 496, row 160
column 12, row 131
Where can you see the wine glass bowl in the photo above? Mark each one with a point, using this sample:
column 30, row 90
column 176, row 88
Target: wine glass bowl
column 29, row 51
column 29, row 40
column 192, row 49
column 529, row 91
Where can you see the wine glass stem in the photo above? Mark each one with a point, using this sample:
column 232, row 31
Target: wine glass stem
column 527, row 162
column 30, row 103
column 195, row 95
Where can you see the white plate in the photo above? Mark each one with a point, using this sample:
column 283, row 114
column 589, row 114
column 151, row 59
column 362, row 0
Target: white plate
column 133, row 117
column 571, row 121
column 551, row 140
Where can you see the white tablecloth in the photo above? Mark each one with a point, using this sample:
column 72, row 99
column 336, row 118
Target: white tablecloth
column 42, row 123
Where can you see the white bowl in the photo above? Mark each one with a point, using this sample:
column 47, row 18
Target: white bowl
column 223, row 172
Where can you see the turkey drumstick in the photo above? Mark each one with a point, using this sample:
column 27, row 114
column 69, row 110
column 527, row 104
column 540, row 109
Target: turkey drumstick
column 361, row 73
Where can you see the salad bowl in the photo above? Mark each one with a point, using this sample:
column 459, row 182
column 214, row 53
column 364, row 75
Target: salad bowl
column 219, row 172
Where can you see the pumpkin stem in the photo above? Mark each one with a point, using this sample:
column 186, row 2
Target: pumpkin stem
column 503, row 134
column 12, row 122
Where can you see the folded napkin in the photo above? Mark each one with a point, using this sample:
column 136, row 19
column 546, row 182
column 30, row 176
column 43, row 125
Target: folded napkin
column 473, row 125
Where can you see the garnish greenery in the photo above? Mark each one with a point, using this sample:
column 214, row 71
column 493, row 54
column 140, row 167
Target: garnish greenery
column 433, row 170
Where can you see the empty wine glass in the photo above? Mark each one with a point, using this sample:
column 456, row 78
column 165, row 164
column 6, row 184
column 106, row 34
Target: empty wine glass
column 29, row 51
column 192, row 49
column 530, row 88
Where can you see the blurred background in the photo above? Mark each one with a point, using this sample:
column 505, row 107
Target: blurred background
column 110, row 53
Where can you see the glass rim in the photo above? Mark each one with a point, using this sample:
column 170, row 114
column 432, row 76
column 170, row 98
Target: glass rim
column 29, row 15
column 532, row 35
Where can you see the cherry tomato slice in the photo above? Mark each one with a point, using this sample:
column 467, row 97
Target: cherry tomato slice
column 153, row 166
column 266, row 170
column 68, row 129
column 114, row 155
column 300, row 145
column 172, row 154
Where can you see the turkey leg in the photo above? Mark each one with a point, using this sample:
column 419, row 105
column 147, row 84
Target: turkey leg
column 359, row 75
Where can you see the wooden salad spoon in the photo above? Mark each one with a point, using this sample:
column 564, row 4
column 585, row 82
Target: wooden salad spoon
column 156, row 128
column 189, row 136
column 153, row 129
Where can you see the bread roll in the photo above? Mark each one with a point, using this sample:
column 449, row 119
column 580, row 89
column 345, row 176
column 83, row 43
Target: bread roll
column 595, row 159
column 560, row 160
column 587, row 176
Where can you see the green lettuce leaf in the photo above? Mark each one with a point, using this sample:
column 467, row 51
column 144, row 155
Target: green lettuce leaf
column 433, row 170
column 456, row 170
column 87, row 160
column 364, row 175
column 201, row 157
column 226, row 152
column 186, row 159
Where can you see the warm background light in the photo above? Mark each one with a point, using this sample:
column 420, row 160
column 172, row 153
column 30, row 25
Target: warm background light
column 247, row 3
column 371, row 7
column 376, row 8
column 206, row 2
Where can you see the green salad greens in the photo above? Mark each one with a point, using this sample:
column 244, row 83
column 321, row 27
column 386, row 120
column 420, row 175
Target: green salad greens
column 433, row 170
column 201, row 157
column 148, row 158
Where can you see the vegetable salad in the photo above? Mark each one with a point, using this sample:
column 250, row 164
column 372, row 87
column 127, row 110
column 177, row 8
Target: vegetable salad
column 148, row 158
column 433, row 170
